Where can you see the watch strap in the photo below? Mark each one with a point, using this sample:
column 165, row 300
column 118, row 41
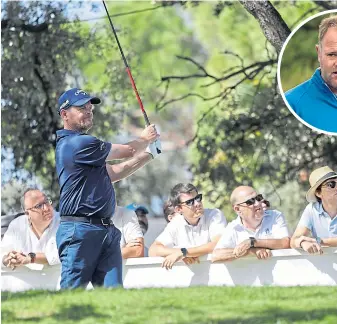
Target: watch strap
column 183, row 251
column 252, row 241
column 32, row 256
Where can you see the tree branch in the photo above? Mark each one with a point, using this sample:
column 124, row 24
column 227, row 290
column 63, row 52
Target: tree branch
column 273, row 26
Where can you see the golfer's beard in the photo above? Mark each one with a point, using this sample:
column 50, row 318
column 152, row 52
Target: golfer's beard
column 83, row 127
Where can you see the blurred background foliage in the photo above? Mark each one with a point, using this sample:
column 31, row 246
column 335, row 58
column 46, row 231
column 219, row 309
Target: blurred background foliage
column 206, row 72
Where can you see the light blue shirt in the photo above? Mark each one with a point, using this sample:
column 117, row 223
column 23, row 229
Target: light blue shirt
column 315, row 103
column 318, row 221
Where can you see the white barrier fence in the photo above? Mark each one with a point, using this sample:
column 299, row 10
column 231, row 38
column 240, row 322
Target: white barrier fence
column 285, row 268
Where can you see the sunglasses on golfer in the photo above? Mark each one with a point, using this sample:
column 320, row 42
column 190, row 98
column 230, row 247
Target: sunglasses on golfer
column 251, row 201
column 330, row 184
column 190, row 202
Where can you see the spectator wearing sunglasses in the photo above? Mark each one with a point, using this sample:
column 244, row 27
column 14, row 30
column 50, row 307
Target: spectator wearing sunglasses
column 190, row 234
column 318, row 223
column 256, row 230
column 31, row 238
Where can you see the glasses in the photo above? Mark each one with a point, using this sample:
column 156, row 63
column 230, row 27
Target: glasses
column 251, row 201
column 190, row 202
column 330, row 184
column 40, row 206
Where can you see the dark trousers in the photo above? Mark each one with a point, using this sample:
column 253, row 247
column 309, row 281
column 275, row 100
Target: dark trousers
column 87, row 252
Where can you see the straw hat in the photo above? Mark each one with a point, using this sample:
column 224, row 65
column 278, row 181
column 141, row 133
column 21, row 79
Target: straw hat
column 317, row 177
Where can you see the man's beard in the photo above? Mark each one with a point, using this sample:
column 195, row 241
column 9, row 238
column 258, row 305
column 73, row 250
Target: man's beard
column 83, row 127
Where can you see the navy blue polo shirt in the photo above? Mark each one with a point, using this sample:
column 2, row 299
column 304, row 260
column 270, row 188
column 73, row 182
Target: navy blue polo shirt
column 85, row 186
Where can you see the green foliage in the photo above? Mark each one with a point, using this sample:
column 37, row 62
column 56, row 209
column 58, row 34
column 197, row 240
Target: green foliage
column 188, row 305
column 299, row 60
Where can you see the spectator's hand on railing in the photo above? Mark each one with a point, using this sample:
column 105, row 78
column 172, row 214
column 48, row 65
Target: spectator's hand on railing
column 263, row 253
column 171, row 259
column 134, row 242
column 241, row 249
column 7, row 259
column 19, row 259
column 191, row 260
column 311, row 247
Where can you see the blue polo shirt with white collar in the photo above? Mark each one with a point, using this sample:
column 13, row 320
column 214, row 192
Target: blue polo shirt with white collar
column 318, row 221
column 85, row 186
column 315, row 103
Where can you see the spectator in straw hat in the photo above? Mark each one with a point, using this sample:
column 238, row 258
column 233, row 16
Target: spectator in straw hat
column 318, row 224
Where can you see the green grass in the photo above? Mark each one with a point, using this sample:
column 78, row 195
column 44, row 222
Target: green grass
column 189, row 305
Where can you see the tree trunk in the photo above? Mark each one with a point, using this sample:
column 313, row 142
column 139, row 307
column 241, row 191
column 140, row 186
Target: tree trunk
column 273, row 26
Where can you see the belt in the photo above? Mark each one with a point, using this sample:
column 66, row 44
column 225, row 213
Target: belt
column 90, row 220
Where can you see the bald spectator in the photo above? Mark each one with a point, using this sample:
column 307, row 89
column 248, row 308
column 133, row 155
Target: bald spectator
column 192, row 233
column 255, row 231
column 31, row 238
column 168, row 210
column 318, row 224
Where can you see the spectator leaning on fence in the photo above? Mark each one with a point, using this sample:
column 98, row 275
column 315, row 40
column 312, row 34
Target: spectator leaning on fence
column 31, row 238
column 191, row 234
column 318, row 224
column 132, row 240
column 255, row 231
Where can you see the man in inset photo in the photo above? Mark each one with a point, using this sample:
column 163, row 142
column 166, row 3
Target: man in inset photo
column 315, row 100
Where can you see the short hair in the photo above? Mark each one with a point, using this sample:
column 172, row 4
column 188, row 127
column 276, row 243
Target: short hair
column 177, row 190
column 168, row 209
column 23, row 197
column 325, row 25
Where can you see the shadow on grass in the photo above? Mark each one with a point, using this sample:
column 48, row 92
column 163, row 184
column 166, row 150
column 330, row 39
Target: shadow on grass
column 275, row 315
column 72, row 312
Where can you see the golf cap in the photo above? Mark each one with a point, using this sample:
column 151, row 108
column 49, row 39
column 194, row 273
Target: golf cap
column 75, row 97
column 136, row 208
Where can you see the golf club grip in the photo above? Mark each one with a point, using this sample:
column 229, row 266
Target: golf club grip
column 147, row 122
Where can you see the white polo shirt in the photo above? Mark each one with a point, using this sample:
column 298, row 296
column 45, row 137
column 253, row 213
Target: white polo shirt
column 318, row 221
column 20, row 237
column 127, row 222
column 179, row 233
column 273, row 226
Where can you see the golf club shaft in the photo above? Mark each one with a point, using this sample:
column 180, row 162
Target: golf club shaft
column 147, row 122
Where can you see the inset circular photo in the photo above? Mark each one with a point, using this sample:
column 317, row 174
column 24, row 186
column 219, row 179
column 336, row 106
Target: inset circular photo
column 307, row 72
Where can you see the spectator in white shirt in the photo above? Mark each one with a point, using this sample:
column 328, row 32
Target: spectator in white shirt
column 31, row 238
column 132, row 240
column 318, row 224
column 256, row 230
column 191, row 234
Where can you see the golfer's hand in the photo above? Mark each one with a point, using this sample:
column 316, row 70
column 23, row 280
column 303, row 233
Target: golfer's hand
column 263, row 254
column 241, row 249
column 150, row 133
column 311, row 247
column 171, row 259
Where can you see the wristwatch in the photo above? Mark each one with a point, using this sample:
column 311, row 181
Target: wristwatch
column 32, row 257
column 183, row 251
column 318, row 240
column 252, row 241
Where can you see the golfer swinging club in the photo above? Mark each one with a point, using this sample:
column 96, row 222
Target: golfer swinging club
column 87, row 241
